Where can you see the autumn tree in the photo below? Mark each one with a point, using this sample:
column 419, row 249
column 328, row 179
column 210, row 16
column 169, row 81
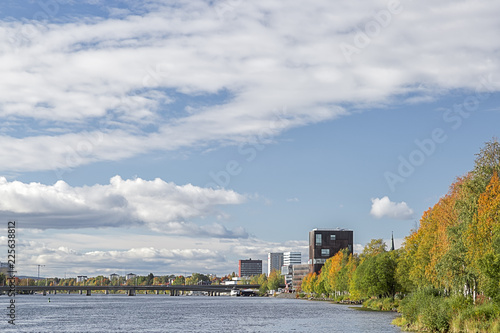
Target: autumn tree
column 275, row 279
column 374, row 247
column 308, row 282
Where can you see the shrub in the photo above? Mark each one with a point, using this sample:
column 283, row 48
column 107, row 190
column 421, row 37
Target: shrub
column 436, row 315
column 426, row 308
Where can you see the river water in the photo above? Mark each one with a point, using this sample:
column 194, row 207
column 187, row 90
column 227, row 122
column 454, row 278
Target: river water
column 162, row 313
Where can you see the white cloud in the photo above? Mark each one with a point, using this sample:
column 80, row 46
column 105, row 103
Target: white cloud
column 109, row 251
column 159, row 205
column 384, row 207
column 123, row 74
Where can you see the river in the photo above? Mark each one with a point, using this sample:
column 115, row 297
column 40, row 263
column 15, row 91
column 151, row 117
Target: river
column 161, row 313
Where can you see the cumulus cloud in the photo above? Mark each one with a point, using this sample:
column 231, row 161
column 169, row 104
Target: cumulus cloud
column 104, row 88
column 159, row 205
column 109, row 252
column 139, row 259
column 384, row 207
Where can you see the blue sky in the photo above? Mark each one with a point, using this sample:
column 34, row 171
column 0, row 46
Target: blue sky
column 179, row 137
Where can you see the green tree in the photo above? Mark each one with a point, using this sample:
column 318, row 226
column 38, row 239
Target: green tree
column 274, row 280
column 178, row 281
column 374, row 247
column 308, row 282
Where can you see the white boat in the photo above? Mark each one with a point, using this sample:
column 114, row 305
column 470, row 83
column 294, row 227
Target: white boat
column 235, row 292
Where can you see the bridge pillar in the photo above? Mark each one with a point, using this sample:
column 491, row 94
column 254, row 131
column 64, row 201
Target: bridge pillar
column 88, row 292
column 69, row 292
column 157, row 292
column 80, row 291
column 131, row 292
column 55, row 292
column 106, row 292
column 44, row 293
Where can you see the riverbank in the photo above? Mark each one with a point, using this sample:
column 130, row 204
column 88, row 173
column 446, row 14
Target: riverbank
column 426, row 311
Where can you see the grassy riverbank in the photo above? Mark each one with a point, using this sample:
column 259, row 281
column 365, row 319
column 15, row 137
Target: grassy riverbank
column 429, row 312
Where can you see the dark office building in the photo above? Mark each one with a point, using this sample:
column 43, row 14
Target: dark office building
column 324, row 243
column 249, row 267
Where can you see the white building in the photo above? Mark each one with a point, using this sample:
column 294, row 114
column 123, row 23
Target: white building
column 81, row 278
column 113, row 277
column 292, row 258
column 131, row 276
column 4, row 269
column 274, row 262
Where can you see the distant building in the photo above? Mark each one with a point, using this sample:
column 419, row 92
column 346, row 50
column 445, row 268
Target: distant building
column 113, row 277
column 249, row 267
column 130, row 276
column 292, row 258
column 274, row 262
column 286, row 271
column 298, row 273
column 325, row 243
column 81, row 278
column 4, row 269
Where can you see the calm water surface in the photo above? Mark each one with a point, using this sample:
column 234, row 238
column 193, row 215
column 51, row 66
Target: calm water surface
column 161, row 313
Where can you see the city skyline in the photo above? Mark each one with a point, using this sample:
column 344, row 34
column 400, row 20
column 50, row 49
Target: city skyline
column 179, row 138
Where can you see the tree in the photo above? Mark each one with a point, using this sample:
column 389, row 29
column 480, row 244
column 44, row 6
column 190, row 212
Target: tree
column 308, row 282
column 179, row 280
column 373, row 248
column 330, row 271
column 274, row 280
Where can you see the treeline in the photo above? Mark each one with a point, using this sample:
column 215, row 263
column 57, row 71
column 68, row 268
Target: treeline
column 141, row 280
column 447, row 272
column 357, row 277
column 266, row 283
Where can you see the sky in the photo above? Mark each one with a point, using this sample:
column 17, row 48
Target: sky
column 175, row 137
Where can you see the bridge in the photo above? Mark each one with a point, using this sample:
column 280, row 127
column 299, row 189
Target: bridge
column 173, row 290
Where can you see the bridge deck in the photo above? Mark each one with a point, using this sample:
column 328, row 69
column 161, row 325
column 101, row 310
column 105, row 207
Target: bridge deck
column 215, row 288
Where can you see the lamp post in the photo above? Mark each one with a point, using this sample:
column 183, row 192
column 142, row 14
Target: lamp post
column 39, row 270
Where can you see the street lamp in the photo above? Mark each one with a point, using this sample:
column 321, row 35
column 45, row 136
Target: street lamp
column 39, row 270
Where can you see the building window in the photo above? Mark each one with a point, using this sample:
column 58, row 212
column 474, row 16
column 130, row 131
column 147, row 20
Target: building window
column 350, row 247
column 333, row 237
column 325, row 252
column 318, row 239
